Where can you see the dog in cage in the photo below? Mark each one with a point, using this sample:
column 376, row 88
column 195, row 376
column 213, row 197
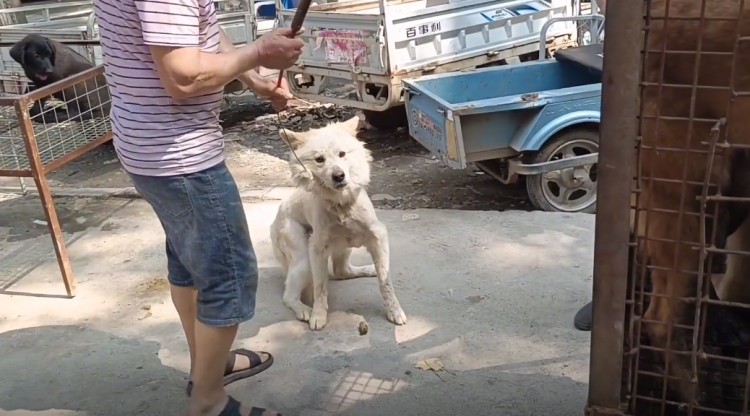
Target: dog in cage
column 696, row 91
column 46, row 61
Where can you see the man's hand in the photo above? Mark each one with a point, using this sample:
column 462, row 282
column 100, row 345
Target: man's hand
column 266, row 88
column 278, row 49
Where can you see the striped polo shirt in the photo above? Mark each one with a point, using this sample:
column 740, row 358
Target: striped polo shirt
column 154, row 134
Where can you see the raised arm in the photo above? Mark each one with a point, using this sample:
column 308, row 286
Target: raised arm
column 262, row 87
column 171, row 29
column 249, row 77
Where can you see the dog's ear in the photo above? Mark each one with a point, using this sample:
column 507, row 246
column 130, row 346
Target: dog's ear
column 351, row 126
column 52, row 50
column 18, row 51
column 293, row 138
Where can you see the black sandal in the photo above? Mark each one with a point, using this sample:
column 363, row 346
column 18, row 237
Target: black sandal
column 257, row 365
column 584, row 317
column 233, row 408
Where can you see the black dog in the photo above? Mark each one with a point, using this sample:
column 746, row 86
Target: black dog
column 45, row 61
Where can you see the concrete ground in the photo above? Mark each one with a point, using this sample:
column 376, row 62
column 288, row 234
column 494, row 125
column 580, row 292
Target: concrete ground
column 490, row 294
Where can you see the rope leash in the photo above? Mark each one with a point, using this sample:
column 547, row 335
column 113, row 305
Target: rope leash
column 299, row 18
column 285, row 138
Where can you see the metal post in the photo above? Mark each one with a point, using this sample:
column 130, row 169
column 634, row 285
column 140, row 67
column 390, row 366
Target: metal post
column 619, row 129
column 50, row 213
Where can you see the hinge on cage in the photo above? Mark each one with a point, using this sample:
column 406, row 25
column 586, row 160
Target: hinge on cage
column 718, row 133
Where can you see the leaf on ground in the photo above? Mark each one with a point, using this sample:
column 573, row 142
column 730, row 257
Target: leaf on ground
column 433, row 364
column 146, row 308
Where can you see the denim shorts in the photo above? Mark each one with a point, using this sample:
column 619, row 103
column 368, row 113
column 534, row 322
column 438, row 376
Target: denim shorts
column 207, row 241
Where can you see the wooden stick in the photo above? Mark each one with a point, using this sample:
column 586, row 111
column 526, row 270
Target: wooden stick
column 299, row 18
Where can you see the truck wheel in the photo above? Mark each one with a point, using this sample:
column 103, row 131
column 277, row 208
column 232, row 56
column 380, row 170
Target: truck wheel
column 390, row 119
column 567, row 190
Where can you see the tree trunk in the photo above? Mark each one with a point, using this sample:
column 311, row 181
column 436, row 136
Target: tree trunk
column 10, row 18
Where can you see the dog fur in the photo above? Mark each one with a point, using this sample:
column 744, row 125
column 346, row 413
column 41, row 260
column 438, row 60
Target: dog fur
column 327, row 216
column 664, row 125
column 46, row 61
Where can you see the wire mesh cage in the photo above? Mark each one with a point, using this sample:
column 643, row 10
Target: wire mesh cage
column 61, row 128
column 42, row 129
column 672, row 285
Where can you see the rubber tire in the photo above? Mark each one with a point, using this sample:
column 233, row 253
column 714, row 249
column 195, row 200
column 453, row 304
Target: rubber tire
column 387, row 120
column 534, row 183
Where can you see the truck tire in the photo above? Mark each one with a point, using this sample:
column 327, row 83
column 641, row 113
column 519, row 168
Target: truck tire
column 555, row 191
column 387, row 120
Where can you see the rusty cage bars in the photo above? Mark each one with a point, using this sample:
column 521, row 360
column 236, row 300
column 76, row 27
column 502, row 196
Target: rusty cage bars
column 671, row 331
column 36, row 139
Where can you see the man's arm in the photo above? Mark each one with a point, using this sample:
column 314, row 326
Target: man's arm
column 171, row 29
column 250, row 77
column 188, row 72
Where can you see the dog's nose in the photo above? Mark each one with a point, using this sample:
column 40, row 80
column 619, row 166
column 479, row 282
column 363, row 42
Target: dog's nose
column 339, row 176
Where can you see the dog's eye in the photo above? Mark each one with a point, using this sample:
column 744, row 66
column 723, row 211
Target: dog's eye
column 342, row 154
column 320, row 159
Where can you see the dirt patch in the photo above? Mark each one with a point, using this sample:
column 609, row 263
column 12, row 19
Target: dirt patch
column 23, row 217
column 156, row 286
column 404, row 175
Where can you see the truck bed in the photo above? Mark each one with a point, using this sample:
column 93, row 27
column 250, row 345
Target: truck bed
column 486, row 89
column 500, row 111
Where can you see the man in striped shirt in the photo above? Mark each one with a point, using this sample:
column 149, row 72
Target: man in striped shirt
column 166, row 63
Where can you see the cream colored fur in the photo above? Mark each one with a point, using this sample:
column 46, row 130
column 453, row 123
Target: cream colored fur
column 325, row 219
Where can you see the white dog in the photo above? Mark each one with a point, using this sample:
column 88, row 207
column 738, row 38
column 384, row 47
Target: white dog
column 329, row 214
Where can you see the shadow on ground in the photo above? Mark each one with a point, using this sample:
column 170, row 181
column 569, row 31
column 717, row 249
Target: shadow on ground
column 26, row 237
column 483, row 392
column 89, row 372
column 77, row 368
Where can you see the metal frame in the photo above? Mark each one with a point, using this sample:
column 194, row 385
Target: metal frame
column 670, row 177
column 39, row 170
column 597, row 18
column 519, row 168
column 64, row 10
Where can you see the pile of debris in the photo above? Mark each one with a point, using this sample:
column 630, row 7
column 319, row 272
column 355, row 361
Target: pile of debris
column 298, row 118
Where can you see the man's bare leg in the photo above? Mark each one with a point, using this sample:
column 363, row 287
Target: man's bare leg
column 212, row 346
column 184, row 300
column 210, row 316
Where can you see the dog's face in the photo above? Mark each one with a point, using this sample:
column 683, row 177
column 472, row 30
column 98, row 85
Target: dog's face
column 335, row 159
column 36, row 54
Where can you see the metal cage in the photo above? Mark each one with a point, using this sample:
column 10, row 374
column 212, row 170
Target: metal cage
column 671, row 331
column 44, row 129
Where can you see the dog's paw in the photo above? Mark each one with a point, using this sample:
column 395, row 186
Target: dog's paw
column 318, row 320
column 368, row 271
column 354, row 272
column 397, row 315
column 303, row 313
